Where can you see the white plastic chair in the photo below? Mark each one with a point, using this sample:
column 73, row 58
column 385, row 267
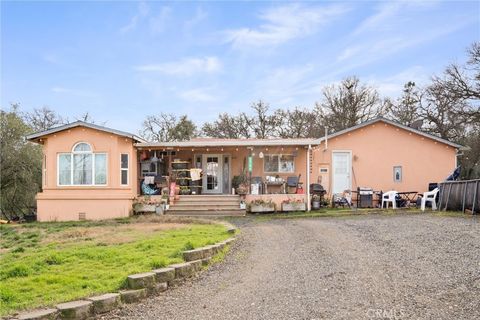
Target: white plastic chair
column 390, row 196
column 430, row 196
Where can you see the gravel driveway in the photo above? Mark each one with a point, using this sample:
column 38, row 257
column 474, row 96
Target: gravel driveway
column 362, row 267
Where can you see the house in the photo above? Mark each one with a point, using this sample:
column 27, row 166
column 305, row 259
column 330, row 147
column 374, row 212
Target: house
column 93, row 172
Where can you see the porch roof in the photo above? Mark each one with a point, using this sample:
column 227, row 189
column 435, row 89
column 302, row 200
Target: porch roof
column 212, row 142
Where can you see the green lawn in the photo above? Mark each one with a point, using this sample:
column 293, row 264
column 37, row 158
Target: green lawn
column 46, row 263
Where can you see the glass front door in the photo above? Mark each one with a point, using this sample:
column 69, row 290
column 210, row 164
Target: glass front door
column 213, row 173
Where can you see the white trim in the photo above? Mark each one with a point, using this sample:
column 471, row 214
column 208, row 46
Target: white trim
column 93, row 184
column 219, row 178
column 308, row 179
column 230, row 143
column 278, row 155
column 82, row 142
column 332, row 174
column 125, row 169
column 396, row 124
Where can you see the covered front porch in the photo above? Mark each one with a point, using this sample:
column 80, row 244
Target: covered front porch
column 271, row 171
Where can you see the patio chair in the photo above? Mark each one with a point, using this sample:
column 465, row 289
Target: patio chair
column 342, row 199
column 431, row 197
column 294, row 182
column 389, row 196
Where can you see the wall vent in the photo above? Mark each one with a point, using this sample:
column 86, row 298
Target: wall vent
column 82, row 216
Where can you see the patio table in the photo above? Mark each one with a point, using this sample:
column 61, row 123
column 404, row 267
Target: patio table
column 280, row 184
column 408, row 196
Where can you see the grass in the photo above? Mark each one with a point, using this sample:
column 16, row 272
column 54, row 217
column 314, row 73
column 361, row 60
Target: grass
column 47, row 263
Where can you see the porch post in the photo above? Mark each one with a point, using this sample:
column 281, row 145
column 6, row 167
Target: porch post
column 308, row 178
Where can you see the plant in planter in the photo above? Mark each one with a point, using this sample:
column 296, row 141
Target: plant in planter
column 316, row 202
column 184, row 190
column 148, row 204
column 293, row 205
column 260, row 205
column 239, row 183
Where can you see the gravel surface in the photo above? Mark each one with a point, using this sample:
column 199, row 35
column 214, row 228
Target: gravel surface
column 362, row 267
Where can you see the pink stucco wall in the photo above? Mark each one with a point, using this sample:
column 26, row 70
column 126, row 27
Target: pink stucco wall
column 97, row 202
column 376, row 149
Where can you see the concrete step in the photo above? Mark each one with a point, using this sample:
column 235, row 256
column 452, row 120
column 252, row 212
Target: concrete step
column 200, row 208
column 202, row 205
column 206, row 204
column 209, row 197
column 208, row 213
column 207, row 201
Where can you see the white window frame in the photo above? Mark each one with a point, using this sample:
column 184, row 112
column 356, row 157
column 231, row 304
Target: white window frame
column 44, row 170
column 72, row 153
column 279, row 156
column 125, row 169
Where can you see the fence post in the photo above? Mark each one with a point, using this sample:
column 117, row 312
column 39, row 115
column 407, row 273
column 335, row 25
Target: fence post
column 464, row 196
column 448, row 196
column 475, row 197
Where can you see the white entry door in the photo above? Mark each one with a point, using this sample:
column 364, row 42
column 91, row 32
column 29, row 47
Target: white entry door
column 341, row 167
column 212, row 173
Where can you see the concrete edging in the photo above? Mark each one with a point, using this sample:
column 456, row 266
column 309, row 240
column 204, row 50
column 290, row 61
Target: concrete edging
column 139, row 286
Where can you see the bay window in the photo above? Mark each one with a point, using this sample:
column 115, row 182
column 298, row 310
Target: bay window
column 82, row 167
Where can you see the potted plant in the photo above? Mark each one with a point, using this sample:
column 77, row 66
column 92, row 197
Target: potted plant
column 184, row 190
column 293, row 205
column 144, row 205
column 260, row 205
column 315, row 202
column 239, row 183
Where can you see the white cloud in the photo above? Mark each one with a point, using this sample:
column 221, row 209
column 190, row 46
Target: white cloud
column 160, row 21
column 283, row 24
column 198, row 95
column 142, row 11
column 392, row 86
column 185, row 67
column 199, row 16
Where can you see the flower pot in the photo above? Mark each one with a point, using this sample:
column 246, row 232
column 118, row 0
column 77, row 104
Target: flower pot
column 159, row 209
column 315, row 205
column 294, row 206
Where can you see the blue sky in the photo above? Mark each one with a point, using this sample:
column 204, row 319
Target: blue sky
column 121, row 61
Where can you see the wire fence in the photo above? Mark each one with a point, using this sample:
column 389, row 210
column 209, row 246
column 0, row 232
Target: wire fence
column 460, row 196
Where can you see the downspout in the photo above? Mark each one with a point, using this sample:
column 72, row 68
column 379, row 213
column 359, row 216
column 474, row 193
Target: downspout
column 308, row 178
column 326, row 139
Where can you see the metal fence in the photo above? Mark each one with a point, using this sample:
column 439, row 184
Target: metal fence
column 460, row 196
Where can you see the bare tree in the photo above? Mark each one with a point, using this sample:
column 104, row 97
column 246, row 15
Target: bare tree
column 297, row 123
column 41, row 119
column 406, row 108
column 348, row 103
column 167, row 127
column 262, row 123
column 445, row 115
column 228, row 127
column 87, row 117
column 462, row 81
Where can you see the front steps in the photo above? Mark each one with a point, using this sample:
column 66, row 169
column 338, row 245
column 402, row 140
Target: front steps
column 207, row 205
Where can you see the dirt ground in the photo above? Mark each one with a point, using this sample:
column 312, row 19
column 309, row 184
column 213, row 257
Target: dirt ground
column 362, row 267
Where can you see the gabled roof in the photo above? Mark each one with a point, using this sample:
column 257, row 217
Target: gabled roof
column 396, row 124
column 35, row 136
column 213, row 142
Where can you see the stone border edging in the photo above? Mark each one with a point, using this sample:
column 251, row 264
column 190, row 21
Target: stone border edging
column 140, row 286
